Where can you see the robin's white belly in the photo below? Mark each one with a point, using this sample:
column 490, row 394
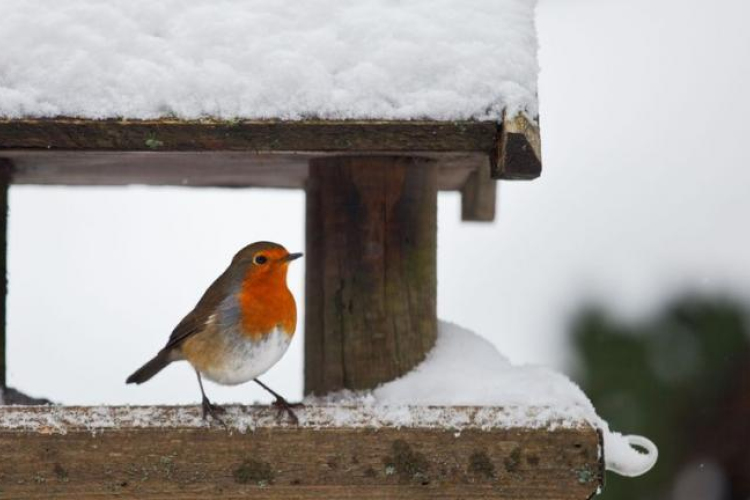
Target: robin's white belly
column 245, row 359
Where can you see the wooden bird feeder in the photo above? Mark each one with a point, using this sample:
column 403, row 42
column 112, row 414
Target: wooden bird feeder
column 370, row 307
column 371, row 208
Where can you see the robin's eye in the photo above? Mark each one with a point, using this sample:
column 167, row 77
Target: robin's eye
column 260, row 259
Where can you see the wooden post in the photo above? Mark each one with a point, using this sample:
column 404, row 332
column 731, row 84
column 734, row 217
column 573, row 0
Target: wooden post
column 478, row 196
column 371, row 269
column 5, row 171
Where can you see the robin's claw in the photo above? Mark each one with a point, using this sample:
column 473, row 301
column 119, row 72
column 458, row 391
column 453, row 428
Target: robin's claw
column 282, row 406
column 214, row 410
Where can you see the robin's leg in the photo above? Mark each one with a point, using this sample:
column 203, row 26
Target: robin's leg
column 282, row 404
column 208, row 407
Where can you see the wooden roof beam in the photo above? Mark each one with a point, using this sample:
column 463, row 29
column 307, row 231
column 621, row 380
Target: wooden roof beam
column 266, row 153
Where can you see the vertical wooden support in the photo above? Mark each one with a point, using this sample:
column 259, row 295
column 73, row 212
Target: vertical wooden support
column 5, row 171
column 478, row 196
column 371, row 270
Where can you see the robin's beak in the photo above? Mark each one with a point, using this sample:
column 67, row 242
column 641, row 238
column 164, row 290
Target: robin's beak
column 292, row 256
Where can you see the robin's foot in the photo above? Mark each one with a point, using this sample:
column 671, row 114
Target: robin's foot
column 214, row 410
column 282, row 405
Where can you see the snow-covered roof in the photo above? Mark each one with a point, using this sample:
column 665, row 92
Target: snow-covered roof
column 257, row 59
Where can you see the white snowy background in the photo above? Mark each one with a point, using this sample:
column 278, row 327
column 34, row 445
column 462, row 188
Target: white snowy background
column 646, row 191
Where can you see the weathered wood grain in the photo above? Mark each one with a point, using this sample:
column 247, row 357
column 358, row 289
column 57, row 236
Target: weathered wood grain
column 5, row 174
column 371, row 295
column 345, row 136
column 263, row 153
column 512, row 147
column 519, row 151
column 170, row 457
column 478, row 196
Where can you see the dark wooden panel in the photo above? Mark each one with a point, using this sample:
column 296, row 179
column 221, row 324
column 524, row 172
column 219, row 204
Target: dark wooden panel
column 478, row 196
column 5, row 173
column 150, row 453
column 519, row 151
column 210, row 135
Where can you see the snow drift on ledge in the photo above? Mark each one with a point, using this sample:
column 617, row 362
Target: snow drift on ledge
column 255, row 59
column 461, row 370
column 465, row 369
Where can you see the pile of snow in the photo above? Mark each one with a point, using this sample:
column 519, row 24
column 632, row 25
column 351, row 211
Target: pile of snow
column 287, row 59
column 463, row 369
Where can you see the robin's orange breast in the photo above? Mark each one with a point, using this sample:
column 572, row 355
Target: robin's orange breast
column 266, row 304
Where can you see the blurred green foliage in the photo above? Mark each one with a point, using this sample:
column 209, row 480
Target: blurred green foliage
column 662, row 377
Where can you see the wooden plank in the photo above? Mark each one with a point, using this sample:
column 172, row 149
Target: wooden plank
column 68, row 151
column 346, row 136
column 168, row 452
column 5, row 178
column 242, row 153
column 370, row 313
column 478, row 196
column 519, row 150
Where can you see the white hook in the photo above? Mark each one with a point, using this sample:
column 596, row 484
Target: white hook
column 623, row 459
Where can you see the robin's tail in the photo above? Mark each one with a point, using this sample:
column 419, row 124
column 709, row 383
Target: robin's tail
column 151, row 368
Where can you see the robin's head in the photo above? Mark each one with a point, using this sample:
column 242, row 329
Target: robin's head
column 264, row 260
column 265, row 301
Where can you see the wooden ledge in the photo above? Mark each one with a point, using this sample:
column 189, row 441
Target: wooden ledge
column 336, row 452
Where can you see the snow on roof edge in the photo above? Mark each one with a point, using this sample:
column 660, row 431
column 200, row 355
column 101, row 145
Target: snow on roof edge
column 259, row 59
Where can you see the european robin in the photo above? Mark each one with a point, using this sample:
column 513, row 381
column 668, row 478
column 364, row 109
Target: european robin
column 239, row 329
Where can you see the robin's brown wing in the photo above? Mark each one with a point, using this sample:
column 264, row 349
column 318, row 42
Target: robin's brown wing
column 196, row 320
